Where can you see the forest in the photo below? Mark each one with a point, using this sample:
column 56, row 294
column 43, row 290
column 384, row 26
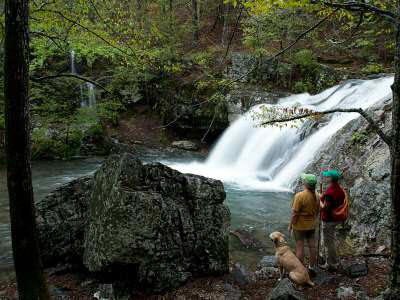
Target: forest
column 164, row 54
column 148, row 148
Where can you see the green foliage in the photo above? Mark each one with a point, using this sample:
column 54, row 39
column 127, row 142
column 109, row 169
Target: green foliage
column 305, row 59
column 373, row 68
column 139, row 51
column 50, row 143
column 95, row 131
column 359, row 138
column 109, row 112
column 303, row 86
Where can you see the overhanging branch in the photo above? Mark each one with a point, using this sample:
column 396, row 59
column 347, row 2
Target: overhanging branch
column 299, row 37
column 360, row 111
column 71, row 76
column 361, row 7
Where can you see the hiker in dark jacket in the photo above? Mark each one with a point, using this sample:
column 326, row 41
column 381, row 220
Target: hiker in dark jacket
column 333, row 198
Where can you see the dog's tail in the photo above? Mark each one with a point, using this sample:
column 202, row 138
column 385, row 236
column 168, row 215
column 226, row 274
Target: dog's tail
column 310, row 283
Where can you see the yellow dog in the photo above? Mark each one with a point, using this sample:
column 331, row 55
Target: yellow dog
column 287, row 261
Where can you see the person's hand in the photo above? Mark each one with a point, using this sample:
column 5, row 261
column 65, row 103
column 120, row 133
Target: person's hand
column 290, row 229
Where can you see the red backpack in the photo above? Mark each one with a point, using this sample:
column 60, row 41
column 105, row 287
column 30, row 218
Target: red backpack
column 341, row 213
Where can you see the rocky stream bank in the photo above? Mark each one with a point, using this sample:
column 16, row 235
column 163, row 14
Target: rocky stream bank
column 239, row 284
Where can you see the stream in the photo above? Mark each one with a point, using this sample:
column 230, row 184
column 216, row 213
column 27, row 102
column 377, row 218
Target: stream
column 257, row 212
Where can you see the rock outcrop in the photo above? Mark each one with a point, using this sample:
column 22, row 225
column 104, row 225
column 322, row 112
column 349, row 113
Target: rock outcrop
column 364, row 160
column 285, row 291
column 147, row 225
column 61, row 221
column 248, row 68
column 186, row 145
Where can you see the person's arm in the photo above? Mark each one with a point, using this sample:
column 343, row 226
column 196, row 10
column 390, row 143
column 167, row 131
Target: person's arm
column 293, row 220
column 295, row 210
column 327, row 203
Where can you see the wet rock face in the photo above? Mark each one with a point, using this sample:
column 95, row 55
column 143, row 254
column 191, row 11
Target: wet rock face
column 61, row 220
column 148, row 225
column 364, row 160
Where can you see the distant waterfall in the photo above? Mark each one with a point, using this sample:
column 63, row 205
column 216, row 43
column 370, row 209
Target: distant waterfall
column 272, row 158
column 72, row 58
column 87, row 90
column 91, row 95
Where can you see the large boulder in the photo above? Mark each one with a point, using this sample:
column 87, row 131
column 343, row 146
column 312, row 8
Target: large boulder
column 364, row 160
column 61, row 221
column 156, row 223
column 146, row 225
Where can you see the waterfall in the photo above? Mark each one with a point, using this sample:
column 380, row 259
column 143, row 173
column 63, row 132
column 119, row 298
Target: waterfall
column 88, row 99
column 72, row 57
column 91, row 95
column 248, row 156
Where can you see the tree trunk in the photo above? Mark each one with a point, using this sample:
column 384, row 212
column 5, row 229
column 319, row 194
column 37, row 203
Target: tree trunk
column 198, row 14
column 30, row 279
column 395, row 175
column 195, row 23
column 171, row 14
column 225, row 8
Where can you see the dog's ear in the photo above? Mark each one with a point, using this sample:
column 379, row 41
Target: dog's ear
column 282, row 238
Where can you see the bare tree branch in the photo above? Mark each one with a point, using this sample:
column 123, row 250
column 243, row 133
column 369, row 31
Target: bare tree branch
column 41, row 6
column 360, row 111
column 234, row 31
column 71, row 76
column 281, row 52
column 209, row 128
column 52, row 38
column 353, row 32
column 178, row 116
column 362, row 7
column 77, row 23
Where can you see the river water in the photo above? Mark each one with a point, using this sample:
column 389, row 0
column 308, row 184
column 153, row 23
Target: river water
column 255, row 211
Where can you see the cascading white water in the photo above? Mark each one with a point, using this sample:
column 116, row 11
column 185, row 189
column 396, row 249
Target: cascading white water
column 72, row 57
column 270, row 158
column 88, row 100
column 91, row 95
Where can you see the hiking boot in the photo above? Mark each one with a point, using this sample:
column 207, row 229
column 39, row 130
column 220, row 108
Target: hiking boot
column 329, row 268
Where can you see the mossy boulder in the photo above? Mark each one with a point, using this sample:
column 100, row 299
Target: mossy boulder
column 156, row 223
column 146, row 226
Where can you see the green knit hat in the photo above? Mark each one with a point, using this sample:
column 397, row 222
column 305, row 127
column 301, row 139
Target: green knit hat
column 334, row 174
column 309, row 179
